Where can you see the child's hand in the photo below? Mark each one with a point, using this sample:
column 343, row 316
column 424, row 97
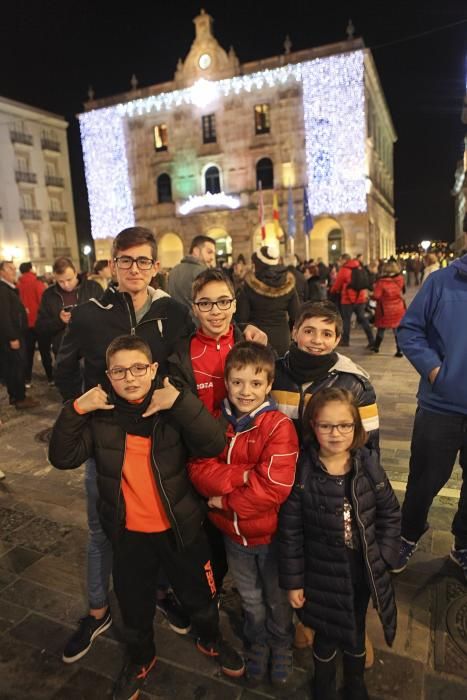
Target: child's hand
column 94, row 400
column 215, row 502
column 162, row 399
column 255, row 334
column 296, row 597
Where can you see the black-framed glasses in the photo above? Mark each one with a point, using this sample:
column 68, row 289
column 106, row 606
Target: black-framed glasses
column 125, row 262
column 136, row 370
column 327, row 428
column 222, row 304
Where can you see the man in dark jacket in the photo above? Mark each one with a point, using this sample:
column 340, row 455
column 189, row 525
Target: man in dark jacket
column 202, row 255
column 13, row 329
column 59, row 300
column 433, row 337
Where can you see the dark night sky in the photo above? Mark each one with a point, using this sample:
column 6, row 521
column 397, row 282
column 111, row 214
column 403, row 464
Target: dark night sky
column 51, row 50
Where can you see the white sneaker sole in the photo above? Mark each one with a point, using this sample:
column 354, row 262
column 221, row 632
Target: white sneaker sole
column 83, row 652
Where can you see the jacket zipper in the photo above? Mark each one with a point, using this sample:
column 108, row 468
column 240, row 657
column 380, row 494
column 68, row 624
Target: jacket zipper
column 227, row 459
column 362, row 530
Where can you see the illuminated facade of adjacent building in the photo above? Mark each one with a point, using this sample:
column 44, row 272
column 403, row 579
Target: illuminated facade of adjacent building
column 459, row 192
column 187, row 157
column 37, row 219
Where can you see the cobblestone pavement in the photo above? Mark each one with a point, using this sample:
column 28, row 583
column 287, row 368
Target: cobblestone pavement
column 42, row 587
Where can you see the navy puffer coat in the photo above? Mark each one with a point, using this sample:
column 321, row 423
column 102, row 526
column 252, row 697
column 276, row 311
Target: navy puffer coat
column 312, row 551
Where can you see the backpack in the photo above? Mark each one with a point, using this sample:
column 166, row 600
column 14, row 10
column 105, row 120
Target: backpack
column 359, row 279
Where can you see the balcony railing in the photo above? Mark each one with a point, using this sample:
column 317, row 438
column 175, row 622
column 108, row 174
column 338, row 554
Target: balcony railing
column 37, row 252
column 54, row 181
column 50, row 145
column 21, row 137
column 26, row 176
column 61, row 252
column 58, row 216
column 33, row 214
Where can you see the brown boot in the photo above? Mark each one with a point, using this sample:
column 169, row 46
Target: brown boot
column 27, row 402
column 370, row 652
column 303, row 636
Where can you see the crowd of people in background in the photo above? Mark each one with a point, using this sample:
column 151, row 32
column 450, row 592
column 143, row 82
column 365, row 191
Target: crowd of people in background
column 248, row 346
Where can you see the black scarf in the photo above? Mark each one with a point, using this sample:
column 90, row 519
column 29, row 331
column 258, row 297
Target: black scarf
column 129, row 416
column 308, row 368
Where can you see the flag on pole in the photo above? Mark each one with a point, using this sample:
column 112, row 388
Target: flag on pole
column 275, row 215
column 261, row 212
column 307, row 217
column 291, row 228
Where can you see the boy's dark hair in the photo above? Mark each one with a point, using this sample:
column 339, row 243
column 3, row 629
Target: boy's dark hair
column 199, row 241
column 127, row 342
column 248, row 352
column 135, row 235
column 25, row 267
column 325, row 396
column 61, row 264
column 211, row 275
column 100, row 265
column 323, row 309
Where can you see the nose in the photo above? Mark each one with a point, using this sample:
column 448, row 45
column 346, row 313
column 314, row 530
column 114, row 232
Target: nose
column 334, row 428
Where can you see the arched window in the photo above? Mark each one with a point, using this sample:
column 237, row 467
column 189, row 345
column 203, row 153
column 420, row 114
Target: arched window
column 265, row 174
column 164, row 188
column 212, row 181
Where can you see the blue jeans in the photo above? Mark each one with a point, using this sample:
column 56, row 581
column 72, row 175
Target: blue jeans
column 99, row 547
column 268, row 615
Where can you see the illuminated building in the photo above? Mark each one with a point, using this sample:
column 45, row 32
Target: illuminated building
column 459, row 191
column 314, row 118
column 37, row 219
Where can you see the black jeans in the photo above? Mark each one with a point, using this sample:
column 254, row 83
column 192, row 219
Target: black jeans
column 324, row 647
column 14, row 371
column 436, row 440
column 137, row 559
column 359, row 309
column 43, row 343
column 380, row 335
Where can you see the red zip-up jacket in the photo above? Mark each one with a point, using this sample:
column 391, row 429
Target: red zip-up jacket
column 30, row 292
column 341, row 285
column 268, row 450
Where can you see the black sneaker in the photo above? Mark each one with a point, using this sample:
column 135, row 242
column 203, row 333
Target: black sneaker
column 281, row 666
column 228, row 658
column 131, row 680
column 79, row 644
column 177, row 618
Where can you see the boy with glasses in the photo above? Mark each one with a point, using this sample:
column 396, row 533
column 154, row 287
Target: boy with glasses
column 147, row 506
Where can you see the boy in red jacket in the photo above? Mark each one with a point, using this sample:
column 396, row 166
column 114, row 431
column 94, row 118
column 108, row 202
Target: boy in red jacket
column 245, row 487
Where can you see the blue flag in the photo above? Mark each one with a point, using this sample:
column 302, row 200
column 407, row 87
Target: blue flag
column 291, row 228
column 307, row 217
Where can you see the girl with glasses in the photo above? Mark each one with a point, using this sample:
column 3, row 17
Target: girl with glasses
column 339, row 536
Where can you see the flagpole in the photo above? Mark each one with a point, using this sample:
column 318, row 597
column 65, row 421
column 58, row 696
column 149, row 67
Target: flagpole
column 307, row 246
column 292, row 246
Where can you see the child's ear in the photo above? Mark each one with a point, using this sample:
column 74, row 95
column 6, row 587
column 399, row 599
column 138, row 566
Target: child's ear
column 153, row 369
column 294, row 333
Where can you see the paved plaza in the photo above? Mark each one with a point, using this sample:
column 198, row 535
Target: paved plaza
column 42, row 587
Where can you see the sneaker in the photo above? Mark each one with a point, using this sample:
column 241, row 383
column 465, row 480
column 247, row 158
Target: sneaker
column 28, row 385
column 131, row 680
column 229, row 659
column 178, row 619
column 459, row 557
column 257, row 662
column 406, row 550
column 79, row 644
column 281, row 666
column 27, row 402
column 2, row 475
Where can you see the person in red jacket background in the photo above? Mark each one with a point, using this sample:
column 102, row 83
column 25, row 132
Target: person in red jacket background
column 245, row 486
column 352, row 300
column 388, row 291
column 30, row 292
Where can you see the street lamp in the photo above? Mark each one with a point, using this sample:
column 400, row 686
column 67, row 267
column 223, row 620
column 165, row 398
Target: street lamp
column 425, row 245
column 87, row 251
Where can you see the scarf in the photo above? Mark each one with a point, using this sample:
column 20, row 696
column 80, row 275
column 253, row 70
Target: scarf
column 308, row 368
column 129, row 416
column 242, row 423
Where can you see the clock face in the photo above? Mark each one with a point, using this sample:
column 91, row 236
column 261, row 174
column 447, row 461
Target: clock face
column 204, row 61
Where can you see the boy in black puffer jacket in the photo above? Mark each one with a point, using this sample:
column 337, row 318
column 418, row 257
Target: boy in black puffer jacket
column 148, row 508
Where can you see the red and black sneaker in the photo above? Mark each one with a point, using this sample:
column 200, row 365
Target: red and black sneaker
column 227, row 657
column 131, row 680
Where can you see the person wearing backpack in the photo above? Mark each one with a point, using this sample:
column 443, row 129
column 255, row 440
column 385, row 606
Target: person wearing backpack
column 352, row 283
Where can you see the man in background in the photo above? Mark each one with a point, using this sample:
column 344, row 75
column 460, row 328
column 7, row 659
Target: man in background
column 201, row 256
column 30, row 292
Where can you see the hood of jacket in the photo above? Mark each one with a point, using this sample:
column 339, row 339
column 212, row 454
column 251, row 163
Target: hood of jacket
column 193, row 260
column 351, row 264
column 273, row 283
column 460, row 266
column 345, row 364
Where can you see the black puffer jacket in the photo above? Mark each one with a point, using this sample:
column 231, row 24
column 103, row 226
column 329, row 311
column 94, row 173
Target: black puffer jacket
column 269, row 300
column 49, row 323
column 312, row 551
column 95, row 324
column 13, row 318
column 186, row 430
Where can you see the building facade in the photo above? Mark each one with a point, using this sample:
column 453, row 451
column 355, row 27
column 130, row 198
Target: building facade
column 204, row 153
column 459, row 192
column 37, row 219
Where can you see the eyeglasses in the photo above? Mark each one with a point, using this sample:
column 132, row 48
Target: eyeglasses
column 118, row 373
column 126, row 262
column 327, row 428
column 222, row 304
